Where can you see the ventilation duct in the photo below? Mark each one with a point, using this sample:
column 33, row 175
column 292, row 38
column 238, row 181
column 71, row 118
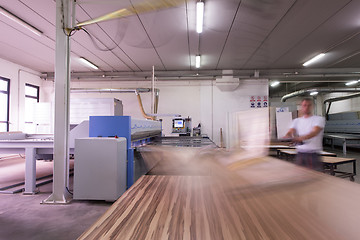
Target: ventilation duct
column 319, row 90
column 227, row 82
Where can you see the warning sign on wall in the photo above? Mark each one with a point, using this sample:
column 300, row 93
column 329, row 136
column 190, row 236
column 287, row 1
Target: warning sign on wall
column 259, row 101
column 252, row 101
column 265, row 101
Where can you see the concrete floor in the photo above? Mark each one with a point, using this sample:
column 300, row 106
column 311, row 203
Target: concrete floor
column 23, row 217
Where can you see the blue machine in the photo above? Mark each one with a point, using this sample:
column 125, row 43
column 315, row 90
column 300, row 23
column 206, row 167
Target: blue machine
column 137, row 132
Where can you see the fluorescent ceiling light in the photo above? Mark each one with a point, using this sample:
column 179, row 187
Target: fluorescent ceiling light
column 197, row 61
column 19, row 21
column 86, row 62
column 274, row 84
column 199, row 16
column 314, row 59
column 314, row 93
column 351, row 83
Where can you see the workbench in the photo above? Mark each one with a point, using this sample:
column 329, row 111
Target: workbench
column 291, row 153
column 33, row 149
column 202, row 207
column 331, row 163
column 344, row 137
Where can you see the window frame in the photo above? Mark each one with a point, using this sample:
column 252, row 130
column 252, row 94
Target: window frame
column 37, row 89
column 29, row 96
column 7, row 122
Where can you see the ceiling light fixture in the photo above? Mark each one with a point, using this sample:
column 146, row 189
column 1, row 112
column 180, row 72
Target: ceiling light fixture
column 352, row 83
column 86, row 62
column 274, row 84
column 314, row 59
column 19, row 21
column 314, row 93
column 199, row 16
column 197, row 61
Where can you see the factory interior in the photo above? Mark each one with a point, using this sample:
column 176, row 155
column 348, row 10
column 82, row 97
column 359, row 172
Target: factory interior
column 169, row 119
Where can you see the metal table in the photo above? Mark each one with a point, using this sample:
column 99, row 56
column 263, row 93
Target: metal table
column 331, row 163
column 342, row 136
column 33, row 149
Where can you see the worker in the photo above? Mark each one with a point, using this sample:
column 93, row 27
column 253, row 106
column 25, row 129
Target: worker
column 307, row 133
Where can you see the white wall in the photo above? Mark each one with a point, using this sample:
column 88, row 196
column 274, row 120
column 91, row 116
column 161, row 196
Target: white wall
column 19, row 76
column 348, row 105
column 201, row 100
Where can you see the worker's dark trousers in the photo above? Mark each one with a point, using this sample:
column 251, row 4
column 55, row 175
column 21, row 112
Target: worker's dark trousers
column 309, row 160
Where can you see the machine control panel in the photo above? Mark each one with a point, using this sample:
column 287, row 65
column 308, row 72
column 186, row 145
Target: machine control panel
column 181, row 126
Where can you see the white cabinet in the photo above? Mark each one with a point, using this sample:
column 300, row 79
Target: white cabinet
column 100, row 168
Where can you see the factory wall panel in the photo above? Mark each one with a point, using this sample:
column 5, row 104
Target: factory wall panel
column 18, row 76
column 203, row 101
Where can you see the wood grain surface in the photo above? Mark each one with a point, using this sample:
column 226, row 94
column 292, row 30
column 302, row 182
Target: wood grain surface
column 207, row 207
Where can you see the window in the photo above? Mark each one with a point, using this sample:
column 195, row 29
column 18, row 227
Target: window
column 31, row 97
column 4, row 104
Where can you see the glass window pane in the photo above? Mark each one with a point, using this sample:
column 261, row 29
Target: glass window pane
column 3, row 107
column 30, row 128
column 3, row 127
column 31, row 91
column 3, row 85
column 29, row 109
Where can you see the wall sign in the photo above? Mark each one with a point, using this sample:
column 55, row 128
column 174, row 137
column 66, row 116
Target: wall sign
column 259, row 102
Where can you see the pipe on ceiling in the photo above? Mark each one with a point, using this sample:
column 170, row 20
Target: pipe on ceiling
column 279, row 74
column 320, row 90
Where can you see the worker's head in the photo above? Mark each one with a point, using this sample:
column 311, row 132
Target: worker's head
column 307, row 105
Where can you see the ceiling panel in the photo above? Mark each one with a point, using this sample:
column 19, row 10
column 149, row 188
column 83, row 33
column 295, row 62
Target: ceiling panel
column 218, row 17
column 127, row 33
column 304, row 18
column 264, row 34
column 254, row 22
column 351, row 62
column 170, row 42
column 19, row 56
column 342, row 25
column 28, row 45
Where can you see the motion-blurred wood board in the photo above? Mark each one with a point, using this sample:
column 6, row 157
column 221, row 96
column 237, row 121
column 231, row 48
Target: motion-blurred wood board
column 203, row 207
column 283, row 123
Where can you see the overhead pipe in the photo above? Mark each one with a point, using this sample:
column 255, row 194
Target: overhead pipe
column 319, row 90
column 280, row 74
column 142, row 108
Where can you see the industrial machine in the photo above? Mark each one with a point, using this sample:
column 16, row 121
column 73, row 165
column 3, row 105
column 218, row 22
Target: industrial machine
column 182, row 126
column 137, row 132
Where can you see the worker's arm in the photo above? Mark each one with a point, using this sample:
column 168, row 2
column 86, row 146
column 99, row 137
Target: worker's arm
column 290, row 133
column 315, row 131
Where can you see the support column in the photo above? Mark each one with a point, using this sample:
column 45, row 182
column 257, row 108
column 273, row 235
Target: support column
column 60, row 194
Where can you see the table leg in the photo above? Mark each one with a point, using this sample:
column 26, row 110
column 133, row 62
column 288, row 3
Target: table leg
column 354, row 167
column 30, row 171
column 332, row 169
column 344, row 147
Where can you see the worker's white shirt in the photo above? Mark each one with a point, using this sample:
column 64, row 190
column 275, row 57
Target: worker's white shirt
column 304, row 126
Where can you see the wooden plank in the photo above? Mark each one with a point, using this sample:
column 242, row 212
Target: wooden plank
column 326, row 159
column 206, row 207
column 293, row 152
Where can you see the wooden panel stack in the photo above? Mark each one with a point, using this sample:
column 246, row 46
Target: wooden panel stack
column 208, row 207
